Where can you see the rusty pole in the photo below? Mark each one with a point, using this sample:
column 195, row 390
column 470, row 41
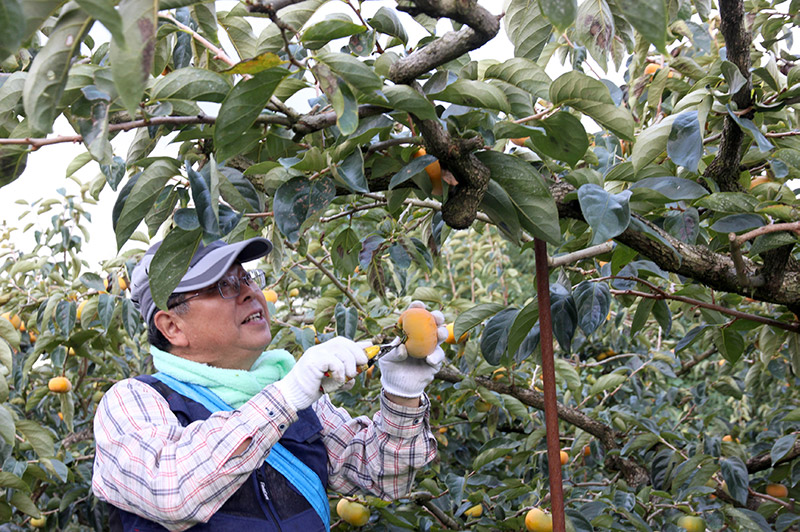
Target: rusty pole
column 549, row 379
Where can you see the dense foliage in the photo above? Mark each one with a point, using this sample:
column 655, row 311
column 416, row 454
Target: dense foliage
column 670, row 223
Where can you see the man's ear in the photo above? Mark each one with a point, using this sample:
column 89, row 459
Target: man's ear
column 171, row 326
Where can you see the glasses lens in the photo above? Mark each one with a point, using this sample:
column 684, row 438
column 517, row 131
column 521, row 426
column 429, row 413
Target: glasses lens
column 258, row 277
column 229, row 286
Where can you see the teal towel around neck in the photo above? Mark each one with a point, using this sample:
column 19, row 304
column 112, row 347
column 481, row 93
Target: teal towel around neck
column 234, row 386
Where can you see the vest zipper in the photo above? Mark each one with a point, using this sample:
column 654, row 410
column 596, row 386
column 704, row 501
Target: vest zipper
column 267, row 501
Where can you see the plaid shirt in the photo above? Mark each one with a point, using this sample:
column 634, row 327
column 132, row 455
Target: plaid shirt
column 150, row 465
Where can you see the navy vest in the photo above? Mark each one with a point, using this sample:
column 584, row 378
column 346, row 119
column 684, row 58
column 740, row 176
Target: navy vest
column 266, row 502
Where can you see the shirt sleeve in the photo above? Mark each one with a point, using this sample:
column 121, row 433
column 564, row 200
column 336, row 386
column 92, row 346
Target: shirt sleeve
column 379, row 455
column 150, row 465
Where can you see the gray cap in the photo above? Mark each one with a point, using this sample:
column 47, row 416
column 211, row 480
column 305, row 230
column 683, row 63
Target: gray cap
column 207, row 266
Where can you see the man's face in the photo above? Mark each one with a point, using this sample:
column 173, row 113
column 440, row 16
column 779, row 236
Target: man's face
column 226, row 333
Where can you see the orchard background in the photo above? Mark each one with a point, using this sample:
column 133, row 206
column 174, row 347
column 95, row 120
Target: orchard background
column 664, row 200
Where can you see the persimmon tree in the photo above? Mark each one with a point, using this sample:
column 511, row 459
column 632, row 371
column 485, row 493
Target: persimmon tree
column 666, row 203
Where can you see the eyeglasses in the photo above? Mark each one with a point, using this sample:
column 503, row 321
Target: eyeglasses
column 229, row 287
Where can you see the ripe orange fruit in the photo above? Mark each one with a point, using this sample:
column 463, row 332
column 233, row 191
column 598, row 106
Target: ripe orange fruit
column 59, row 385
column 421, row 334
column 270, row 295
column 538, row 521
column 587, row 450
column 777, row 490
column 520, row 141
column 729, row 438
column 434, row 171
column 564, row 458
column 758, row 181
column 15, row 320
column 651, row 68
column 451, row 337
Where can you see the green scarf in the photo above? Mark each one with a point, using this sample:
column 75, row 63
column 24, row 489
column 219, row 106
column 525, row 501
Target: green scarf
column 234, row 386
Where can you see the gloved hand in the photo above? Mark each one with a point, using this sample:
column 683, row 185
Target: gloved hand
column 406, row 376
column 306, row 382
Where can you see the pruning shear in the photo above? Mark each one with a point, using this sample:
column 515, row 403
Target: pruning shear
column 374, row 353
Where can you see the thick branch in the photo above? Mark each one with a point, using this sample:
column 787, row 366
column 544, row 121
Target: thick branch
column 711, row 269
column 635, row 474
column 724, row 169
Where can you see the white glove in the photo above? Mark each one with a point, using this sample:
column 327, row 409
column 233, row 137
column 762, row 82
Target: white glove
column 305, row 383
column 406, row 376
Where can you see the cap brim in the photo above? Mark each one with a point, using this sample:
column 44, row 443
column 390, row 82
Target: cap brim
column 213, row 265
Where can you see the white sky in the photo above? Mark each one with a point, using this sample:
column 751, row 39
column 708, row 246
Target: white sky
column 46, row 168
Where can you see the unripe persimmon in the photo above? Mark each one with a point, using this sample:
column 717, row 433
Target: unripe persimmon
column 434, row 171
column 352, row 512
column 474, row 511
column 59, row 385
column 692, row 523
column 421, row 332
column 80, row 308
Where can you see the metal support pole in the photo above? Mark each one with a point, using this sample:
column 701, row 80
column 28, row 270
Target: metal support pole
column 549, row 379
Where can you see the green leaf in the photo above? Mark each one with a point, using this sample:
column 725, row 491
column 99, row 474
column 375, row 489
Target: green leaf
column 490, row 455
column 592, row 97
column 357, row 74
column 241, row 108
column 527, row 28
column 25, row 504
column 39, row 438
column 294, row 16
column 405, row 98
column 191, row 83
column 346, row 106
column 497, row 205
column 386, row 21
column 729, row 343
column 35, row 13
column 608, row 214
column 318, row 35
column 649, row 18
column 651, row 143
column 494, row 339
column 536, row 208
column 105, row 309
column 734, row 472
column 6, row 357
column 132, row 60
column 171, row 262
column 11, row 16
column 763, row 143
column 7, row 426
column 47, row 78
column 11, row 92
column 10, row 480
column 206, row 200
column 564, row 137
column 593, row 300
column 607, row 382
column 299, row 200
column 346, row 321
column 729, row 202
column 561, row 13
column 523, row 323
column 472, row 93
column 564, row 314
column 736, row 223
column 782, row 447
column 350, row 172
column 65, row 316
column 103, row 11
column 524, row 74
column 672, row 188
column 9, row 333
column 594, row 28
column 344, row 251
column 685, row 143
column 475, row 316
column 141, row 197
column 414, row 167
column 733, row 76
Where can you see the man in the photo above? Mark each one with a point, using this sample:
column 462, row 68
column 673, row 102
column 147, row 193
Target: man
column 227, row 436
